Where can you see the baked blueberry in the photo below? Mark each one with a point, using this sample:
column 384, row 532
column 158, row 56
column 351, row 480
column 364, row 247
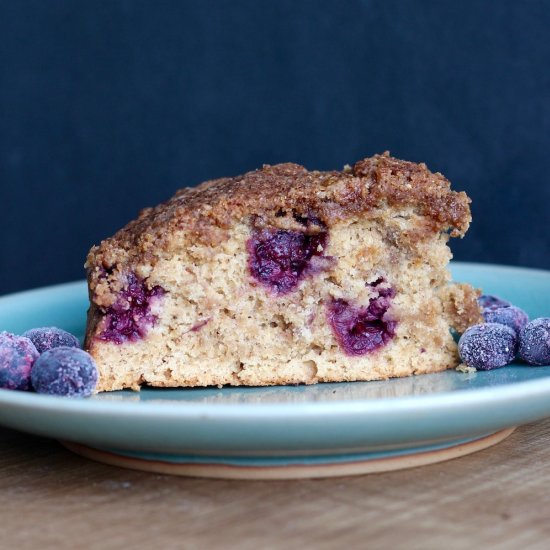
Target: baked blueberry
column 488, row 346
column 46, row 338
column 489, row 300
column 534, row 342
column 131, row 316
column 360, row 330
column 17, row 355
column 65, row 371
column 279, row 258
column 511, row 316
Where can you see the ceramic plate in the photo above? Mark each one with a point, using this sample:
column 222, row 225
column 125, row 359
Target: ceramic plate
column 325, row 423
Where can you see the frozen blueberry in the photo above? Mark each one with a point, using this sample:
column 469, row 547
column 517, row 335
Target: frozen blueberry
column 64, row 371
column 46, row 338
column 511, row 316
column 17, row 355
column 488, row 300
column 488, row 346
column 534, row 342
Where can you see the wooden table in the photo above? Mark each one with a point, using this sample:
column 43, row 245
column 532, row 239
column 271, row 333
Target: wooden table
column 496, row 498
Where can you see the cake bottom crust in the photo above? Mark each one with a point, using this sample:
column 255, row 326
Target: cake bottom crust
column 270, row 372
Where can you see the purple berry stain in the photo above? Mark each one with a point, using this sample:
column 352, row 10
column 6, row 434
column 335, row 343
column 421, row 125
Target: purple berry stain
column 199, row 325
column 488, row 346
column 65, row 371
column 278, row 259
column 130, row 317
column 361, row 330
column 46, row 338
column 17, row 356
column 382, row 288
column 534, row 342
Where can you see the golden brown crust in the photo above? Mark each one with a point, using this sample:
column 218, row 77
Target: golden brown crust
column 203, row 214
column 205, row 211
column 400, row 183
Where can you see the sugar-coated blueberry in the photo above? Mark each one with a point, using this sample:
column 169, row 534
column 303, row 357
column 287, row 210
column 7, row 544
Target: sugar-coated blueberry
column 489, row 300
column 65, row 371
column 534, row 342
column 46, row 338
column 17, row 355
column 488, row 346
column 511, row 316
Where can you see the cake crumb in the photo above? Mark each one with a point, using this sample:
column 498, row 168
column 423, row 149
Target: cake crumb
column 465, row 369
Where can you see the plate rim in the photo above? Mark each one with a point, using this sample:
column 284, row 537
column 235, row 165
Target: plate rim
column 424, row 403
column 384, row 405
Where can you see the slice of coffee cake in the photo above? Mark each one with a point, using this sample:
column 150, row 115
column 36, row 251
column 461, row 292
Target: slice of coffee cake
column 283, row 276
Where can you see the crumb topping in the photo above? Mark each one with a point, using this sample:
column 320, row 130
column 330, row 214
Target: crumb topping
column 461, row 306
column 205, row 212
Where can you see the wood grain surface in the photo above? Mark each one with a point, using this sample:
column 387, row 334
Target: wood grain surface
column 496, row 498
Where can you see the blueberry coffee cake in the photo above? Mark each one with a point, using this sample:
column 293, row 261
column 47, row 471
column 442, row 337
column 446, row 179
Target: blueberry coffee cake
column 283, row 276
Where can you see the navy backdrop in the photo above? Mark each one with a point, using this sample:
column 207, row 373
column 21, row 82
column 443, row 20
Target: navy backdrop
column 109, row 106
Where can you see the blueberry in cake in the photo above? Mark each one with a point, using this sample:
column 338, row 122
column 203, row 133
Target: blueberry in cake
column 283, row 276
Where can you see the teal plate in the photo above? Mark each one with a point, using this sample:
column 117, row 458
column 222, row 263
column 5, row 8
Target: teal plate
column 283, row 427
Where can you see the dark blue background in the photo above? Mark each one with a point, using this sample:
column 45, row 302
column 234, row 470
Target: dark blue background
column 109, row 106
